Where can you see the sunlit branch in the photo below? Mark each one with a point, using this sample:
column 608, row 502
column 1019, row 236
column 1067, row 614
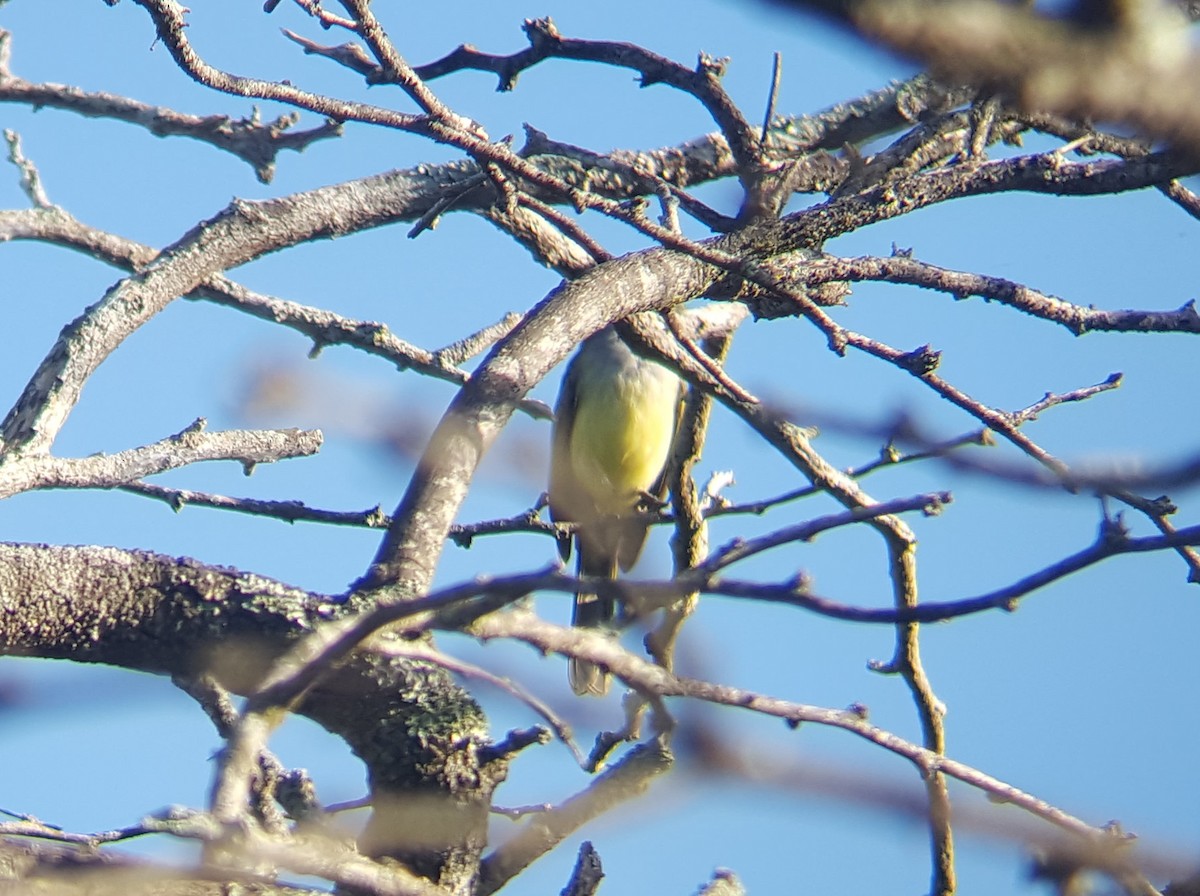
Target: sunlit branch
column 250, row 139
column 475, row 343
column 794, row 445
column 31, row 179
column 1079, row 319
column 192, row 445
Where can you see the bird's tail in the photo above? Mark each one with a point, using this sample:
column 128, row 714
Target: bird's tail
column 591, row 611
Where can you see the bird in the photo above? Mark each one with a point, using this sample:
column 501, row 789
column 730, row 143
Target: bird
column 615, row 423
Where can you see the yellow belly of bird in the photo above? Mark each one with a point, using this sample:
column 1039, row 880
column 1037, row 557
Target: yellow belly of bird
column 621, row 438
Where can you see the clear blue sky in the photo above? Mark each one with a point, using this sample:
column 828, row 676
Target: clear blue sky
column 1083, row 697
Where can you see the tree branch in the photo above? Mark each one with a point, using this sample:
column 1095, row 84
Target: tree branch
column 249, row 139
column 192, row 445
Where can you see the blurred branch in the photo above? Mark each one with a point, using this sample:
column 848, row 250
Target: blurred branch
column 42, row 831
column 1113, row 541
column 1131, row 71
column 287, row 667
column 240, row 233
column 522, row 625
column 292, row 789
column 724, row 883
column 79, row 870
column 927, row 448
column 704, row 752
column 311, row 852
column 794, row 445
column 289, row 676
column 623, row 781
column 890, row 456
column 492, row 593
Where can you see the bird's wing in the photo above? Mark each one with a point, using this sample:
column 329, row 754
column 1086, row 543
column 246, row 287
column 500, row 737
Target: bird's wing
column 659, row 489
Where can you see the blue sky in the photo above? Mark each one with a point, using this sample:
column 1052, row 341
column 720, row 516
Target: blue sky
column 1081, row 697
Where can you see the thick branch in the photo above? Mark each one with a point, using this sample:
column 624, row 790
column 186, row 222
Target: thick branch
column 179, row 617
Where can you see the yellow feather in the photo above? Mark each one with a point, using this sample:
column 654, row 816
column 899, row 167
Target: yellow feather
column 622, row 435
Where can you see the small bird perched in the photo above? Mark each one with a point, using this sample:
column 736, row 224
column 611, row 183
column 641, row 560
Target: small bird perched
column 614, row 428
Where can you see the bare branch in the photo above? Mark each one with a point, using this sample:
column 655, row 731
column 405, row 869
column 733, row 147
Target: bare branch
column 323, row 327
column 545, row 42
column 248, row 447
column 168, row 17
column 929, row 504
column 287, row 511
column 469, row 346
column 352, row 56
column 251, row 140
column 31, row 181
column 291, row 788
column 1079, row 319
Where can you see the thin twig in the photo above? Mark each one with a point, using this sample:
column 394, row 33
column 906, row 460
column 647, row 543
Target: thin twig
column 31, row 180
column 773, row 95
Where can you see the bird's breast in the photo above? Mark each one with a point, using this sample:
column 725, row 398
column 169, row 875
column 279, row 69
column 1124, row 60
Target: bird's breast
column 622, row 434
